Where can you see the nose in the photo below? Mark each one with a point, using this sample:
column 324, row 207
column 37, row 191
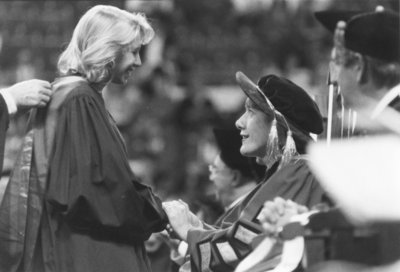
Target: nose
column 211, row 172
column 239, row 123
column 137, row 60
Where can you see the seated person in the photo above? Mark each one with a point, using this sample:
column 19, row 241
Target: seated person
column 275, row 128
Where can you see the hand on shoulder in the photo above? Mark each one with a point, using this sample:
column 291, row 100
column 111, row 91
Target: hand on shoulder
column 30, row 93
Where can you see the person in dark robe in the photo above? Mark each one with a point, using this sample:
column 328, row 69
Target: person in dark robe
column 73, row 202
column 369, row 64
column 368, row 59
column 20, row 96
column 279, row 115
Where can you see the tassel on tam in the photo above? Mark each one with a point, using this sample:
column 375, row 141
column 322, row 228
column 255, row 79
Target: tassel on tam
column 289, row 149
column 273, row 152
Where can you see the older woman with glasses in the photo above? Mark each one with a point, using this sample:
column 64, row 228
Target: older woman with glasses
column 232, row 174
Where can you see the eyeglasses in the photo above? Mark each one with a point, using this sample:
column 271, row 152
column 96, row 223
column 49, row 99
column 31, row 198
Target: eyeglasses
column 212, row 168
column 217, row 169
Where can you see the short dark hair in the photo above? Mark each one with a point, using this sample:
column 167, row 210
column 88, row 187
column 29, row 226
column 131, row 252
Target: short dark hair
column 381, row 72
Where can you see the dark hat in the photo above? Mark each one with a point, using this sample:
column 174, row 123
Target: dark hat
column 330, row 18
column 229, row 143
column 375, row 34
column 290, row 100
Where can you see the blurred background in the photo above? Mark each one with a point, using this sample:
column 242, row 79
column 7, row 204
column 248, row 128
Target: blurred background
column 187, row 83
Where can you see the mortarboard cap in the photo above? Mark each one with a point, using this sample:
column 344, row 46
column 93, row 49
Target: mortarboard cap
column 375, row 34
column 330, row 18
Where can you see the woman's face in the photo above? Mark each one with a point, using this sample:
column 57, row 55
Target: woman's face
column 125, row 64
column 254, row 128
column 220, row 174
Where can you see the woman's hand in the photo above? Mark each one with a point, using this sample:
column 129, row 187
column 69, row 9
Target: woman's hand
column 181, row 218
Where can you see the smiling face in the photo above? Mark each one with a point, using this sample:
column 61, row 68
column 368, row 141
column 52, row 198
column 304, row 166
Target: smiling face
column 125, row 63
column 254, row 126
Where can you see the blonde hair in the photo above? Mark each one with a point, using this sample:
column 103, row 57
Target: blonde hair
column 101, row 34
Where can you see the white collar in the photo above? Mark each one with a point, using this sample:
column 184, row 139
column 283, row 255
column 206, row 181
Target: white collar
column 385, row 101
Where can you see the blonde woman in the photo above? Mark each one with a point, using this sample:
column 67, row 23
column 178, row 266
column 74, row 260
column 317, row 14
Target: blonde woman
column 84, row 210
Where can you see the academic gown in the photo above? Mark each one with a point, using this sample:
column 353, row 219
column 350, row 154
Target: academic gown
column 95, row 215
column 222, row 248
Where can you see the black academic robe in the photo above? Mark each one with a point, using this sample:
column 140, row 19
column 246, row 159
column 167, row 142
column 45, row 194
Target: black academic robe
column 94, row 214
column 4, row 120
column 223, row 247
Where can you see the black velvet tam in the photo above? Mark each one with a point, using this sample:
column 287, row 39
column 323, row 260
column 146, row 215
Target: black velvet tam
column 293, row 102
column 375, row 34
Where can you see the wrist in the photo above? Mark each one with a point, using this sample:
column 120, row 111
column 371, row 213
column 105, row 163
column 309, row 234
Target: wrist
column 184, row 232
column 10, row 101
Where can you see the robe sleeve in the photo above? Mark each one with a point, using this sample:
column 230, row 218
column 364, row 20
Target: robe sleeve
column 90, row 183
column 4, row 121
column 222, row 249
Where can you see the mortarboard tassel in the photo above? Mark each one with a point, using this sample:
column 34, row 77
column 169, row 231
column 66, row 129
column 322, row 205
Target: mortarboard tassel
column 289, row 149
column 273, row 152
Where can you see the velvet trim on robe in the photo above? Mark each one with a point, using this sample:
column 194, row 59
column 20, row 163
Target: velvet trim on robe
column 222, row 248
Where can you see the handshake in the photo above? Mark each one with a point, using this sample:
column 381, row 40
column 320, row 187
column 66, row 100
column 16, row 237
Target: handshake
column 181, row 219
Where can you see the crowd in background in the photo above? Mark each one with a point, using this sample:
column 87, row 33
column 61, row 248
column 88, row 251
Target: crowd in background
column 186, row 87
column 167, row 110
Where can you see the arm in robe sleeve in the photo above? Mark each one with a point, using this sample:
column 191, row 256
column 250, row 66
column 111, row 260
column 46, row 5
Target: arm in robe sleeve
column 90, row 184
column 223, row 249
column 4, row 121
